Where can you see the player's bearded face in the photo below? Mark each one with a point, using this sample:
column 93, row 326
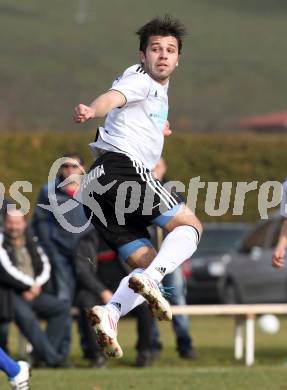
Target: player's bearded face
column 161, row 57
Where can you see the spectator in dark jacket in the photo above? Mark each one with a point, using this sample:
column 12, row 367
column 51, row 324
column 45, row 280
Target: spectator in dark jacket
column 24, row 270
column 176, row 281
column 99, row 273
column 58, row 242
column 3, row 209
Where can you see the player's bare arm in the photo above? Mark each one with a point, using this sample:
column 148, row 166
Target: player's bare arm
column 100, row 107
column 278, row 259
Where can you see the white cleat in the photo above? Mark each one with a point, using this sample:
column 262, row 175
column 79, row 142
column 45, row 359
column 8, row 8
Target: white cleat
column 21, row 381
column 148, row 288
column 106, row 331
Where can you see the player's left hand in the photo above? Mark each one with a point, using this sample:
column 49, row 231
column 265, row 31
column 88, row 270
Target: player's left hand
column 166, row 129
column 106, row 296
column 278, row 259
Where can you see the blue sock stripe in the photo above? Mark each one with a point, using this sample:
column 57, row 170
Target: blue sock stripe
column 127, row 249
column 8, row 365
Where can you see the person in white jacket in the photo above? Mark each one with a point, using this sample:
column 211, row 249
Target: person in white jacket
column 24, row 271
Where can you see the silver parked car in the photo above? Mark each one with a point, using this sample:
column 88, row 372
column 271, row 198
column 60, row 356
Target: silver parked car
column 233, row 265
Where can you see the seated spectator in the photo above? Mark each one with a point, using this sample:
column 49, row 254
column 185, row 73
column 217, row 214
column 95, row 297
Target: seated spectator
column 98, row 273
column 24, row 270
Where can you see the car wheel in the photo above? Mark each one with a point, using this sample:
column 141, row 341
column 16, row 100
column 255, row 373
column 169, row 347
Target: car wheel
column 230, row 294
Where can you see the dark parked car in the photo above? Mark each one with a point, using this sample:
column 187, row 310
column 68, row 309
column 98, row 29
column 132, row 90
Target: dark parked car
column 233, row 265
column 207, row 265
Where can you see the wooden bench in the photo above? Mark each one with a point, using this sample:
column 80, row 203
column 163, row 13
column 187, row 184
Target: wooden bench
column 241, row 313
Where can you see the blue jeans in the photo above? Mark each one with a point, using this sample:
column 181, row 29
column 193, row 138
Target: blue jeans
column 46, row 344
column 65, row 278
column 180, row 322
column 65, row 285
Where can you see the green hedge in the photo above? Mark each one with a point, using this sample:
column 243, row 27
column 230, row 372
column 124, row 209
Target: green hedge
column 228, row 157
column 212, row 156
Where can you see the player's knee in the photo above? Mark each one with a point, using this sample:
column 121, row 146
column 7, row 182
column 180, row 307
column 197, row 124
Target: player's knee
column 142, row 257
column 198, row 225
column 185, row 217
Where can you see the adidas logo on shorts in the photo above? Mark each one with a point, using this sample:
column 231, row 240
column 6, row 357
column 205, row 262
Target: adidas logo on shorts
column 161, row 270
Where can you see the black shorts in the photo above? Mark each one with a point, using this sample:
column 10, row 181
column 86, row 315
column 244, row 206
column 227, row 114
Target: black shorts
column 122, row 198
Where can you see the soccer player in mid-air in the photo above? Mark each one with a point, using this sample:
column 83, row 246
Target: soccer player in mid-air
column 129, row 146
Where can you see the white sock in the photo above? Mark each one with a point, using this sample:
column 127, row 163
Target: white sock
column 177, row 247
column 124, row 298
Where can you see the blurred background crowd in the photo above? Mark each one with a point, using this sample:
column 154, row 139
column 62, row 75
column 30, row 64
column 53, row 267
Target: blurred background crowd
column 49, row 273
column 229, row 108
column 51, row 276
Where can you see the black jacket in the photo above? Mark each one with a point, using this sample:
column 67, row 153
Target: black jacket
column 12, row 280
column 52, row 236
column 97, row 267
column 3, row 209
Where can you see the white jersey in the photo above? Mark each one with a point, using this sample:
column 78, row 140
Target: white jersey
column 136, row 129
column 283, row 208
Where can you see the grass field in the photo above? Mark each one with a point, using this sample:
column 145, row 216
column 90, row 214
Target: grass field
column 234, row 59
column 214, row 368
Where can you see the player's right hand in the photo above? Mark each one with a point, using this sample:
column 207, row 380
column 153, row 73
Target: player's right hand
column 278, row 259
column 83, row 113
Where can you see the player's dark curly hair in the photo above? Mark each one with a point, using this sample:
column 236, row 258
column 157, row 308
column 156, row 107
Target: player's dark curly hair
column 163, row 27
